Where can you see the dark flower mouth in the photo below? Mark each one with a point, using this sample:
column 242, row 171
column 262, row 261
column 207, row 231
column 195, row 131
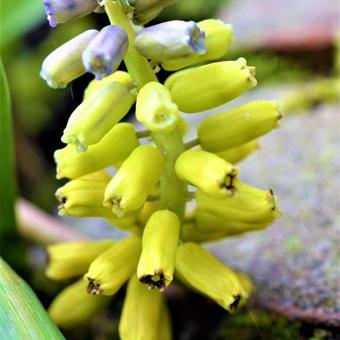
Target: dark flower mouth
column 235, row 303
column 156, row 280
column 228, row 182
column 93, row 288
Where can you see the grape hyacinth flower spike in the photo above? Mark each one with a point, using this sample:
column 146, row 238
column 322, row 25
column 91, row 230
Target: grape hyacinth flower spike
column 156, row 171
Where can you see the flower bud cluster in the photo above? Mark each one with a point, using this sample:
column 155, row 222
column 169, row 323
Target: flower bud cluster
column 148, row 192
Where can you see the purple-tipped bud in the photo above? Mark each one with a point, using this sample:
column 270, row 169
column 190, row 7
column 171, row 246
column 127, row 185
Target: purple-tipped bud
column 61, row 11
column 106, row 51
column 171, row 39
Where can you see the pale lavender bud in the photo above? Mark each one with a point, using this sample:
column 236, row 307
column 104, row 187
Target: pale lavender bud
column 171, row 39
column 61, row 11
column 104, row 54
column 64, row 64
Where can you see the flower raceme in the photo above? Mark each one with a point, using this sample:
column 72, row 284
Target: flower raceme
column 147, row 194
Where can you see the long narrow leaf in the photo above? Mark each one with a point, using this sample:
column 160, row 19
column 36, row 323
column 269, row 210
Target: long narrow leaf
column 21, row 314
column 7, row 181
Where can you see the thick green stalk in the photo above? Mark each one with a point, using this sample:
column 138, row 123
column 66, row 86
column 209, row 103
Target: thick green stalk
column 173, row 190
column 171, row 144
column 137, row 65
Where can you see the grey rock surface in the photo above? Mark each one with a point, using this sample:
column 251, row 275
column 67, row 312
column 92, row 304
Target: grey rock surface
column 282, row 24
column 295, row 262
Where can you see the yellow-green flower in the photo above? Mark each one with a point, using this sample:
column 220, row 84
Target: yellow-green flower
column 73, row 306
column 112, row 149
column 155, row 108
column 98, row 113
column 142, row 316
column 207, row 171
column 205, row 87
column 134, row 180
column 159, row 243
column 112, row 268
column 200, row 270
column 72, row 259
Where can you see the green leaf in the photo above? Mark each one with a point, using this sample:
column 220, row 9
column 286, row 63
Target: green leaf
column 7, row 180
column 17, row 17
column 21, row 314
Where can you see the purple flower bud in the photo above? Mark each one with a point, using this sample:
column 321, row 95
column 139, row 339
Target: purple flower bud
column 61, row 11
column 106, row 51
column 171, row 39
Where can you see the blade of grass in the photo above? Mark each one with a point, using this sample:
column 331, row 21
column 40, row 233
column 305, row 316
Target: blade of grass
column 21, row 314
column 7, row 179
column 11, row 245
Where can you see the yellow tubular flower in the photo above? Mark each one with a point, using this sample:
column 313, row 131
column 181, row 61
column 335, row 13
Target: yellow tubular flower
column 119, row 76
column 218, row 38
column 210, row 223
column 246, row 282
column 182, row 126
column 98, row 113
column 134, row 180
column 83, row 197
column 113, row 148
column 205, row 87
column 190, row 232
column 203, row 272
column 142, row 313
column 111, row 269
column 165, row 329
column 248, row 209
column 148, row 209
column 155, row 108
column 210, row 173
column 238, row 126
column 238, row 153
column 72, row 259
column 160, row 238
column 74, row 306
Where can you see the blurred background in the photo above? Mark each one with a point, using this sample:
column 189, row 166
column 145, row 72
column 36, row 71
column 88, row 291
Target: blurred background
column 294, row 46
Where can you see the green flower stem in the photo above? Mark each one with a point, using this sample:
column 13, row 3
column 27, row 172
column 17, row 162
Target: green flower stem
column 192, row 144
column 173, row 191
column 137, row 65
column 143, row 134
